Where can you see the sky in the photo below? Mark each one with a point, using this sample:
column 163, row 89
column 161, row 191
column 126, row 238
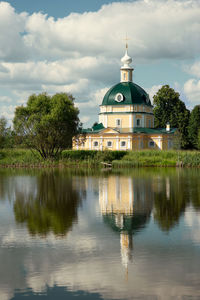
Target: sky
column 76, row 47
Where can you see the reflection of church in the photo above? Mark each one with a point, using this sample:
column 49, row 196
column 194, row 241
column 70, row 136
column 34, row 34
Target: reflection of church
column 126, row 205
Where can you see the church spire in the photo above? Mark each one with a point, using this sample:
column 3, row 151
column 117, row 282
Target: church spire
column 126, row 70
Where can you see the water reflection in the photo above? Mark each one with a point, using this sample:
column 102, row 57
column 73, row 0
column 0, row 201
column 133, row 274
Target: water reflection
column 172, row 196
column 122, row 221
column 47, row 202
column 126, row 205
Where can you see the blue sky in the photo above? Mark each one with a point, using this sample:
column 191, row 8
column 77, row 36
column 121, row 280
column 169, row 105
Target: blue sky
column 59, row 8
column 76, row 47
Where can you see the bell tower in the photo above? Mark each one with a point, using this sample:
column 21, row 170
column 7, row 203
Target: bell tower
column 126, row 70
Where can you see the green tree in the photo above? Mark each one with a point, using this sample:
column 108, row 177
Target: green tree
column 198, row 140
column 6, row 134
column 169, row 108
column 47, row 124
column 194, row 126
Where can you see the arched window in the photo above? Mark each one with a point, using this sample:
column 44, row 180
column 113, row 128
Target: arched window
column 95, row 144
column 118, row 122
column 123, row 144
column 138, row 122
column 109, row 144
column 149, row 123
column 152, row 144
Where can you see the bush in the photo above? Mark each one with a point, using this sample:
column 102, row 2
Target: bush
column 79, row 154
column 109, row 156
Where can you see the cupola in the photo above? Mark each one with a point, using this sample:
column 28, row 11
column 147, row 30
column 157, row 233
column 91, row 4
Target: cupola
column 126, row 70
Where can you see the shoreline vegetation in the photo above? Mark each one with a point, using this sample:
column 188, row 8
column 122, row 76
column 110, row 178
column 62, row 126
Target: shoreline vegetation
column 25, row 158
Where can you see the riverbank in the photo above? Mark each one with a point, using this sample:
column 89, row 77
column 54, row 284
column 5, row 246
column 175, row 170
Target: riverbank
column 18, row 158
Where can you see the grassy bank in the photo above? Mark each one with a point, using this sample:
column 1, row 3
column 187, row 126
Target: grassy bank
column 119, row 159
column 153, row 158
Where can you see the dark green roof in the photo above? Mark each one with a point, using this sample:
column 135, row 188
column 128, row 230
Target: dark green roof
column 95, row 128
column 99, row 127
column 133, row 94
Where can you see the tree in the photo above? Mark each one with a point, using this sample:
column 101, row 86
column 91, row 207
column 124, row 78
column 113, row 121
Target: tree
column 198, row 140
column 169, row 108
column 194, row 126
column 47, row 124
column 6, row 134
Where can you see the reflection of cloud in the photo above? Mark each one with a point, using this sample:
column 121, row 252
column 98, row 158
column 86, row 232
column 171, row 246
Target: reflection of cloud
column 5, row 294
column 192, row 220
column 88, row 258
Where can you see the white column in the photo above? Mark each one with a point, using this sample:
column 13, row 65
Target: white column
column 134, row 120
column 142, row 120
column 117, row 143
column 159, row 142
column 90, row 144
column 130, row 121
column 106, row 121
column 101, row 143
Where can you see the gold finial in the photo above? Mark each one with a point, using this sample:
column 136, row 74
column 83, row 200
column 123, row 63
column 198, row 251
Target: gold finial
column 126, row 39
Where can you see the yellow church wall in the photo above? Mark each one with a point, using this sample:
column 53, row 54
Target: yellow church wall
column 111, row 122
column 120, row 108
column 132, row 142
column 149, row 118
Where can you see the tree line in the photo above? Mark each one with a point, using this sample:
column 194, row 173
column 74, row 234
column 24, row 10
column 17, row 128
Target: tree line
column 169, row 108
column 47, row 124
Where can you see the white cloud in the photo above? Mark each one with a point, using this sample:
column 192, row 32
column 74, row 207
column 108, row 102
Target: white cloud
column 192, row 91
column 7, row 111
column 80, row 53
column 152, row 91
column 193, row 69
column 37, row 36
column 5, row 99
column 12, row 47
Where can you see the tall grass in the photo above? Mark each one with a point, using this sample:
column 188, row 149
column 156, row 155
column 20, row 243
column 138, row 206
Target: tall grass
column 156, row 158
column 93, row 159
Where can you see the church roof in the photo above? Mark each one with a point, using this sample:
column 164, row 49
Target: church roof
column 132, row 94
column 138, row 130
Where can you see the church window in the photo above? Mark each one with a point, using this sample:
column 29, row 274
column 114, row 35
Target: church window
column 96, row 144
column 118, row 122
column 123, row 144
column 124, row 76
column 138, row 122
column 109, row 144
column 149, row 123
column 151, row 144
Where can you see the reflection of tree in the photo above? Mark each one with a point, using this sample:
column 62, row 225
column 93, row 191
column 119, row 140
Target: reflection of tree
column 50, row 206
column 170, row 203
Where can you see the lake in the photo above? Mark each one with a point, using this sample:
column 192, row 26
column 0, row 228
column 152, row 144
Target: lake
column 126, row 234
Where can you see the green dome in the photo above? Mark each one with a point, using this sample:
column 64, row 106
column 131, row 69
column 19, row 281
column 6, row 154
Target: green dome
column 132, row 94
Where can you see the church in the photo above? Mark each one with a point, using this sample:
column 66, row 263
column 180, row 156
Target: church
column 126, row 120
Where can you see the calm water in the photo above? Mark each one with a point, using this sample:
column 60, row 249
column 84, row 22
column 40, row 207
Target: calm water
column 128, row 235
